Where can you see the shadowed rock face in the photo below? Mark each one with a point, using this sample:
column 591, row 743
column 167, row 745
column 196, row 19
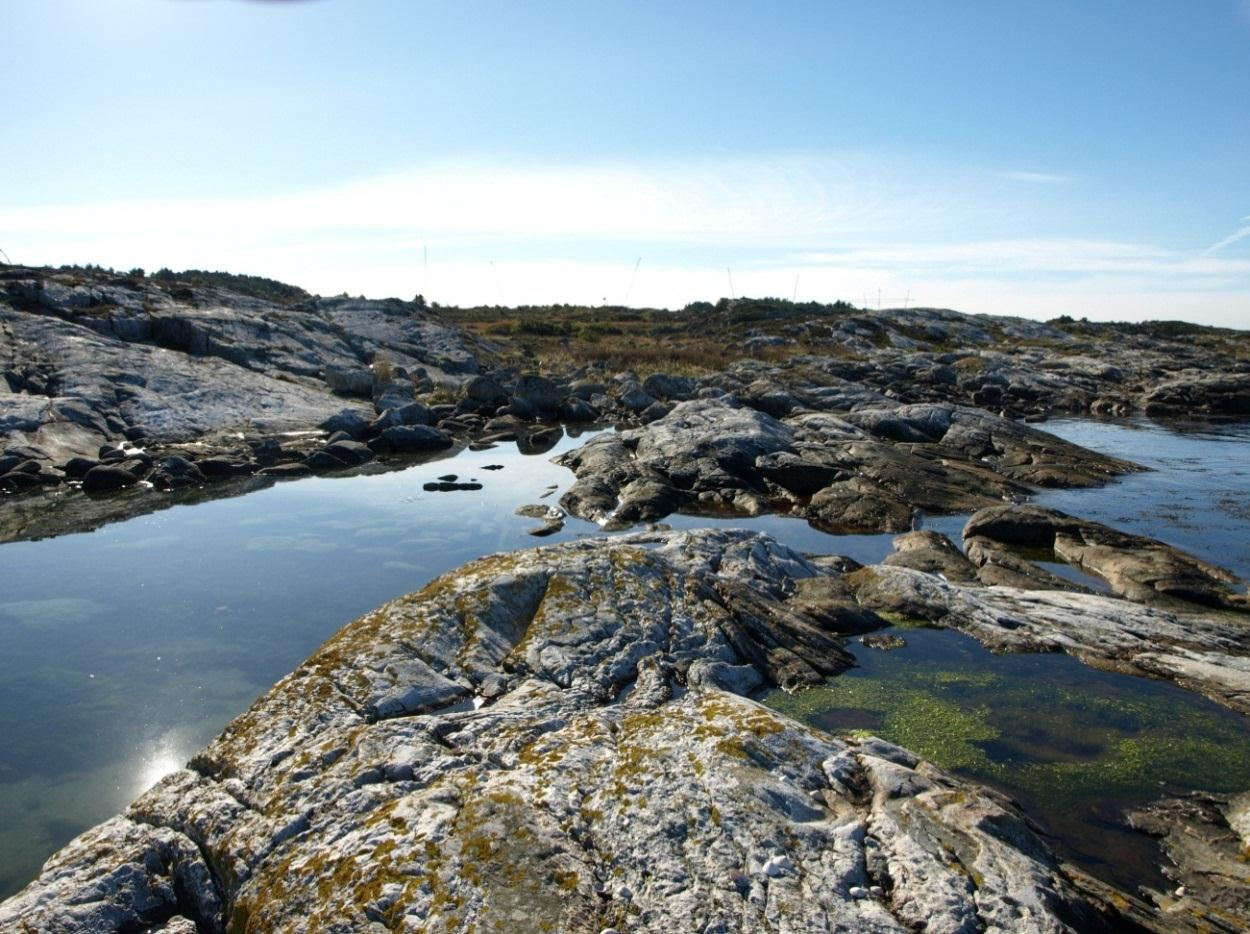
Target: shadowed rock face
column 870, row 469
column 1206, row 838
column 552, row 739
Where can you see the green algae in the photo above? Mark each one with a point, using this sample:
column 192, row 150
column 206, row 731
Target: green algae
column 1045, row 728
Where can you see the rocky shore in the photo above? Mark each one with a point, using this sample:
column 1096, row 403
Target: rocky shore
column 144, row 384
column 565, row 736
column 569, row 738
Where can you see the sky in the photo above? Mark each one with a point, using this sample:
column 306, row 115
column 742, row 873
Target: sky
column 1037, row 159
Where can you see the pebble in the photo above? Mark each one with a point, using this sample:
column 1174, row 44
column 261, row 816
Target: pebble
column 623, row 893
column 858, row 891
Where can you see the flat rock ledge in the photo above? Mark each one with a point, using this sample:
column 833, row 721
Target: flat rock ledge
column 558, row 740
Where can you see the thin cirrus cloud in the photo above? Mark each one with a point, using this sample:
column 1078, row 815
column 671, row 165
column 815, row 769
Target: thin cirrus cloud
column 1234, row 237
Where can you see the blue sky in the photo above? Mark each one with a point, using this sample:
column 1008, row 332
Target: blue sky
column 1028, row 158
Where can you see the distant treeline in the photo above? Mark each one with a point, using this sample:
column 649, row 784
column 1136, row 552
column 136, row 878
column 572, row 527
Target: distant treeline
column 255, row 286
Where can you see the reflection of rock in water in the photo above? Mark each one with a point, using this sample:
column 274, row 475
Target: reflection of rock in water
column 541, row 441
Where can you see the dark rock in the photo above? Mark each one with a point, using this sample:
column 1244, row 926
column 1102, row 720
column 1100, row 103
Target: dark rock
column 414, row 413
column 16, row 481
column 540, row 392
column 671, row 388
column 291, row 470
column 220, row 468
column 443, row 486
column 577, row 411
column 483, row 391
column 415, row 439
column 350, row 453
column 106, row 478
column 174, row 471
column 350, row 421
column 350, row 381
column 76, row 467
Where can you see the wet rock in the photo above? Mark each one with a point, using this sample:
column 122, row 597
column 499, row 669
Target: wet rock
column 1200, row 396
column 350, row 453
column 173, row 472
column 595, row 773
column 1206, row 838
column 1138, row 568
column 107, row 478
column 289, row 471
column 223, row 467
column 1204, row 651
column 552, row 519
column 577, row 411
column 413, row 413
column 932, row 553
column 351, row 421
column 415, row 439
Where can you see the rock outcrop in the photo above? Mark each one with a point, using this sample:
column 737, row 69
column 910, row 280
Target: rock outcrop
column 556, row 740
column 1000, row 540
column 874, row 467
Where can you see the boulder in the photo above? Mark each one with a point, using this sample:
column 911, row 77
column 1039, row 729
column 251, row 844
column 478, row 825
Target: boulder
column 350, row 380
column 107, row 478
column 415, row 439
column 543, row 394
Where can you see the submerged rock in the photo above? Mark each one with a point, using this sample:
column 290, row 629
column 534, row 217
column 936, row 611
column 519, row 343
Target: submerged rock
column 1205, row 651
column 606, row 780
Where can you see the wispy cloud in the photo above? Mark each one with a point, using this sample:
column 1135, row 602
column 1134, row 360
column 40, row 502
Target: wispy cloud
column 1239, row 234
column 1037, row 178
column 1034, row 258
column 836, row 227
column 723, row 200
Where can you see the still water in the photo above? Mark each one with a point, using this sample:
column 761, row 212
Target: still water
column 124, row 650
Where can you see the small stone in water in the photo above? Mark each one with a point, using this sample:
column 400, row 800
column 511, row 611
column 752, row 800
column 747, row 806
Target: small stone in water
column 858, row 891
column 449, row 478
column 493, row 467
